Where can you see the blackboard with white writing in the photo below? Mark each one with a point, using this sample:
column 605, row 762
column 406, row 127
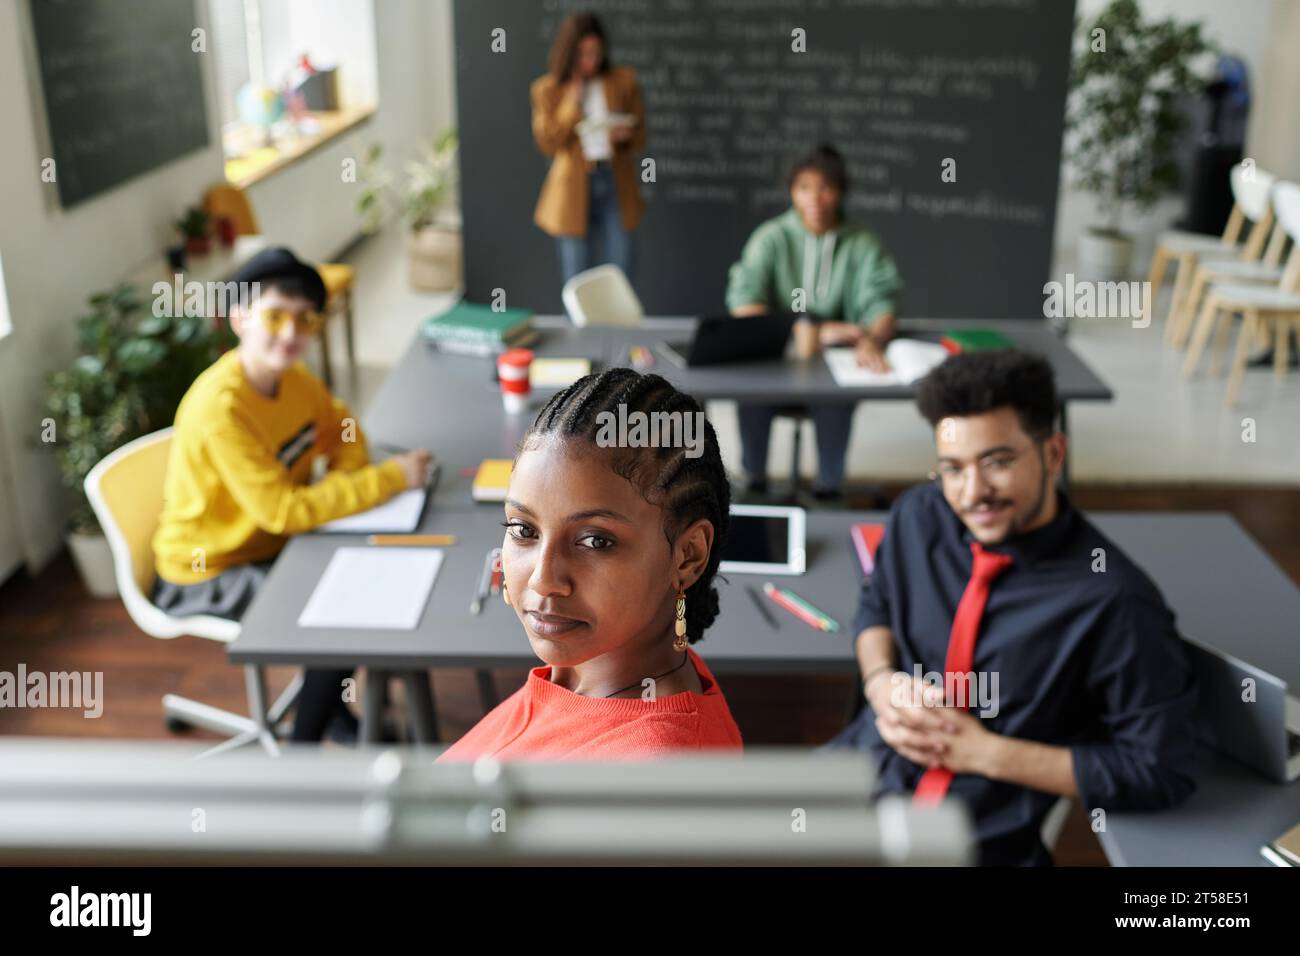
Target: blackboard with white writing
column 899, row 86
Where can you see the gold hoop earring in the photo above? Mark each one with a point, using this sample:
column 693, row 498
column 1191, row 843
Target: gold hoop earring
column 505, row 595
column 680, row 643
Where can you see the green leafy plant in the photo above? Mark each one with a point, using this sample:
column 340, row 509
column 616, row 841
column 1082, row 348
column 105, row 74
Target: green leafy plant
column 133, row 368
column 195, row 224
column 428, row 188
column 1123, row 119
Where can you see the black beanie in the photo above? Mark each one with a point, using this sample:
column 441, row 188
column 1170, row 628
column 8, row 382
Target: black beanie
column 279, row 263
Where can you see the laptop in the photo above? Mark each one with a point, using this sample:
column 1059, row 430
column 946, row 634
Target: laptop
column 725, row 339
column 1264, row 733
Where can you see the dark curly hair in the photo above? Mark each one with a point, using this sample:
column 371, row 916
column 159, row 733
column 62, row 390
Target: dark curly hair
column 686, row 488
column 971, row 383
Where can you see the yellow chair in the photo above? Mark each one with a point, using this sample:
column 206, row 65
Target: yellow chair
column 231, row 202
column 126, row 492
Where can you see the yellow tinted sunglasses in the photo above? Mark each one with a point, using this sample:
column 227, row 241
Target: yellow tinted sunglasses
column 305, row 322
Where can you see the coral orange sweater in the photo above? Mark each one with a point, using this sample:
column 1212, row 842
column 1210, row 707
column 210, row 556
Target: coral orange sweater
column 544, row 721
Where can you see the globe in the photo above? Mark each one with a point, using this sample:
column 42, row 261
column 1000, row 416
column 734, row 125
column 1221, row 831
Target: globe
column 258, row 106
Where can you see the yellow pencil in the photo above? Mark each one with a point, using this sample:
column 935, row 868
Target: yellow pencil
column 415, row 539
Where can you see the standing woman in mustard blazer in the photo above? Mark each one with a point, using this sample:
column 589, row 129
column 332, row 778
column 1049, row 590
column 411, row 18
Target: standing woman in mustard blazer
column 590, row 195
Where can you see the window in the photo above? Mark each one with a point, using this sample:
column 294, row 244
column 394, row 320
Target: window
column 6, row 325
column 273, row 106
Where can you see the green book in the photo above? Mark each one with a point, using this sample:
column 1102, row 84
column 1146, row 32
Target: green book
column 468, row 322
column 975, row 340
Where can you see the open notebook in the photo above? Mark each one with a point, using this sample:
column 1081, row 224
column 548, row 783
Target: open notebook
column 909, row 360
column 398, row 515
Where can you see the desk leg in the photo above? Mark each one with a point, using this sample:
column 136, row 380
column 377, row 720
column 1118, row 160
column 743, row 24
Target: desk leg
column 372, row 708
column 419, row 703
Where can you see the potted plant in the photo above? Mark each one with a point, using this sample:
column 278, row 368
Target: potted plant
column 1123, row 120
column 133, row 368
column 195, row 228
column 426, row 204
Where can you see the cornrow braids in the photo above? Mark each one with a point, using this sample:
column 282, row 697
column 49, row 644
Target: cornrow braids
column 686, row 488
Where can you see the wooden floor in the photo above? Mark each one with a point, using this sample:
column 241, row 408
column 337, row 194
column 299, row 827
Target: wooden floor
column 49, row 624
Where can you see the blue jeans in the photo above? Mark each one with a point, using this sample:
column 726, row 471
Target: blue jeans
column 832, row 422
column 604, row 227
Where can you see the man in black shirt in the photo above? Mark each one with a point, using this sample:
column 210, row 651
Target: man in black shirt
column 1076, row 684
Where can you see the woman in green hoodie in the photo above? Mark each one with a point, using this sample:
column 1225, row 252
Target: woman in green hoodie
column 811, row 259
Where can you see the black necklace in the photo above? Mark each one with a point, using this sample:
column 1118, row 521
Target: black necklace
column 685, row 657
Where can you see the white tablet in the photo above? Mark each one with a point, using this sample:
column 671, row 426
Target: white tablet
column 765, row 539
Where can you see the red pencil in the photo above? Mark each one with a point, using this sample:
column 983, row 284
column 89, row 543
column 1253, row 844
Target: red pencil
column 770, row 590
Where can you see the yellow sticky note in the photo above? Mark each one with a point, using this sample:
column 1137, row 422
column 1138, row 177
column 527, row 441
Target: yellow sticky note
column 557, row 372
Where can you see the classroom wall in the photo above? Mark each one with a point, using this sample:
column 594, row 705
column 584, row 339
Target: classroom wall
column 1275, row 140
column 53, row 259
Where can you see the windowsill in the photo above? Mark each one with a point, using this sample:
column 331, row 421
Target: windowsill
column 257, row 165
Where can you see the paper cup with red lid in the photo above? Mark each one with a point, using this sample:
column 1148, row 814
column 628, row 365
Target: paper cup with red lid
column 512, row 370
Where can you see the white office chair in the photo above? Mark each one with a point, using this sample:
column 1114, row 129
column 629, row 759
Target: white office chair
column 126, row 492
column 1250, row 193
column 602, row 296
column 1267, row 310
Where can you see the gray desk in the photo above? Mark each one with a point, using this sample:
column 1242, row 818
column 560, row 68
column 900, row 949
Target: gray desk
column 448, row 635
column 1227, row 593
column 1222, row 586
column 1205, row 565
column 450, row 403
column 1233, row 813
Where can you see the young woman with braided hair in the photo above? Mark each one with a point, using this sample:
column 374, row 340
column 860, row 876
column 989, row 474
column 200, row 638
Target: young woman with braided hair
column 609, row 556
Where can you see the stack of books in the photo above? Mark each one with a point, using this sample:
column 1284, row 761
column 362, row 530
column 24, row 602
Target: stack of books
column 469, row 329
column 974, row 340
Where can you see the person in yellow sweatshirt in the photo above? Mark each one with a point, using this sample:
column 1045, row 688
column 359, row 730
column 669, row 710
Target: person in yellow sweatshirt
column 250, row 435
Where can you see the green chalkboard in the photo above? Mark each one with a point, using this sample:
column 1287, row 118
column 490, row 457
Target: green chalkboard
column 122, row 86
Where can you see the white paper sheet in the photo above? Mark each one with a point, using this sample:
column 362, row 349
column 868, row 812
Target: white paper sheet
column 848, row 374
column 399, row 514
column 909, row 359
column 378, row 587
column 608, row 121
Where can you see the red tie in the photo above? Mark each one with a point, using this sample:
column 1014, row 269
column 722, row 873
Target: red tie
column 961, row 648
